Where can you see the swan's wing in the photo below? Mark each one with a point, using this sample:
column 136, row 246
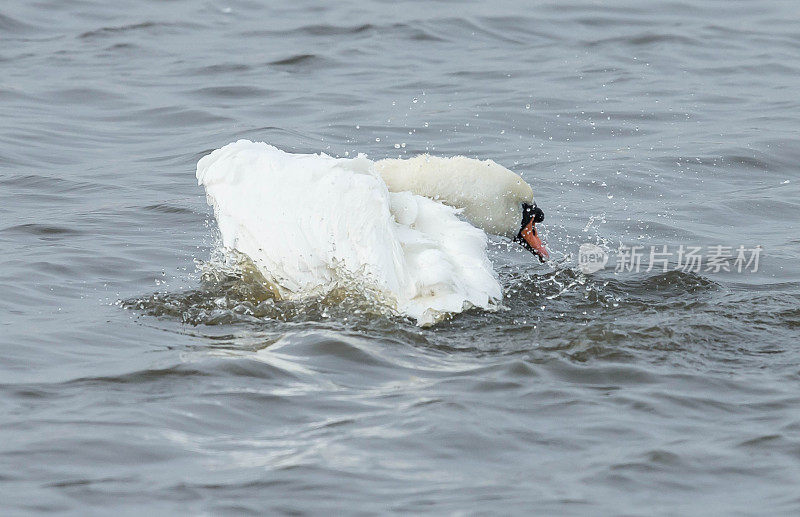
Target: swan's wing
column 303, row 219
column 446, row 259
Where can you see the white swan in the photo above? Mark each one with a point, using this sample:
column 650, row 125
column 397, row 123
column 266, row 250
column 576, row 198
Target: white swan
column 304, row 219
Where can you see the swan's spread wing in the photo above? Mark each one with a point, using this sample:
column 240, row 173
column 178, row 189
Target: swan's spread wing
column 305, row 219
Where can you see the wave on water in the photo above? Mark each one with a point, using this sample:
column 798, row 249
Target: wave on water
column 232, row 290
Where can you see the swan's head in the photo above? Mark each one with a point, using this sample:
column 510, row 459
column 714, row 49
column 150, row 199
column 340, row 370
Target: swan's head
column 488, row 195
column 528, row 236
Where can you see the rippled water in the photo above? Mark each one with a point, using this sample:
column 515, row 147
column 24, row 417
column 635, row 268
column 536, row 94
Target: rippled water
column 138, row 373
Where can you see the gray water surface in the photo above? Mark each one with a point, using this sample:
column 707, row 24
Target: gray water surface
column 138, row 376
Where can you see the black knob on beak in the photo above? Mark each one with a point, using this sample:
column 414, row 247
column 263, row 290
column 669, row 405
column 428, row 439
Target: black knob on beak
column 538, row 215
column 531, row 212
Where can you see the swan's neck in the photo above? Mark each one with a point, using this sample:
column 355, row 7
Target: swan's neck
column 489, row 195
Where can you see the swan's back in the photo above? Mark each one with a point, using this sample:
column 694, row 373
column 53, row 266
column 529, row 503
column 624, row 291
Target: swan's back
column 308, row 221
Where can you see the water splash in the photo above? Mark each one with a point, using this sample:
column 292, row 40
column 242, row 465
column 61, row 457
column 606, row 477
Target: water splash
column 233, row 290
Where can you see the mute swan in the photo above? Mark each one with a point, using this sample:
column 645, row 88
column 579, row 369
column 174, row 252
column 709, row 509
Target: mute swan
column 306, row 219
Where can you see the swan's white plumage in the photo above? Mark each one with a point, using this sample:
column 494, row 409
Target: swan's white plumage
column 489, row 194
column 304, row 219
